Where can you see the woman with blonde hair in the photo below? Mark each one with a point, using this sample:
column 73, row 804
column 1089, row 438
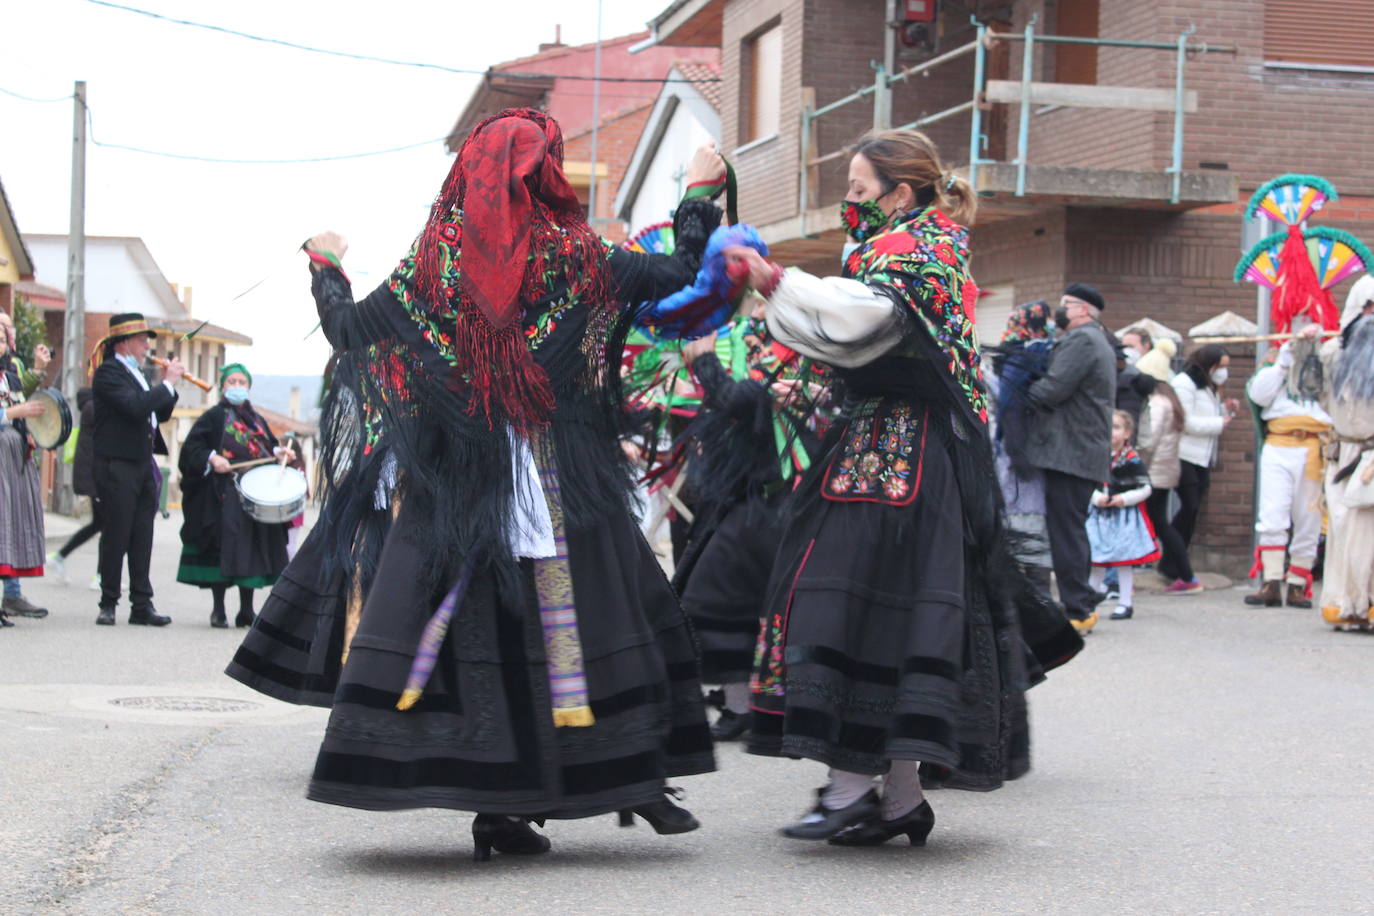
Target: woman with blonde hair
column 892, row 633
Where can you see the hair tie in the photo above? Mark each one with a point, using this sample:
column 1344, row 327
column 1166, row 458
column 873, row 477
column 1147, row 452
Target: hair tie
column 949, row 182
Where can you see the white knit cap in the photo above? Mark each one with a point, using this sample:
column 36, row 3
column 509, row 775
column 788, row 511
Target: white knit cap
column 1360, row 295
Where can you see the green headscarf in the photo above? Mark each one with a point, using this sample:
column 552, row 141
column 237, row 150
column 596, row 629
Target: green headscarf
column 232, row 368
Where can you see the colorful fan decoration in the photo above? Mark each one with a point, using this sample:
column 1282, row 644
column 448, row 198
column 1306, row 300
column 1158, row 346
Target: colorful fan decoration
column 1291, row 199
column 1300, row 265
column 655, row 239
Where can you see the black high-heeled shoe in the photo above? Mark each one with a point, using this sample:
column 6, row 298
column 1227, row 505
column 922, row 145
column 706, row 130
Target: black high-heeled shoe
column 916, row 824
column 511, row 835
column 662, row 815
column 822, row 823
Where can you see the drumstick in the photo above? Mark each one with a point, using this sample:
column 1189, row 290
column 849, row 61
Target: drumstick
column 248, row 464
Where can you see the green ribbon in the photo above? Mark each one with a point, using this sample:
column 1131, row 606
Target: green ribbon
column 712, row 190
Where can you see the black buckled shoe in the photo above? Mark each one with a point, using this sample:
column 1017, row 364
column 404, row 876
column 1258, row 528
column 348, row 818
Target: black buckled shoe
column 730, row 726
column 822, row 823
column 245, row 618
column 106, row 617
column 916, row 824
column 510, row 835
column 218, row 620
column 148, row 617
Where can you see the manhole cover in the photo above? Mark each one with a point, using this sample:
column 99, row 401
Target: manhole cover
column 185, row 704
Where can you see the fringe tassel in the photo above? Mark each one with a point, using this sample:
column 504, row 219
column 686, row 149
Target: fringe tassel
column 427, row 652
column 573, row 717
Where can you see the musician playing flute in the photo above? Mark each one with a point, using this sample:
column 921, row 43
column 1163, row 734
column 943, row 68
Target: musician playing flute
column 222, row 545
column 127, row 478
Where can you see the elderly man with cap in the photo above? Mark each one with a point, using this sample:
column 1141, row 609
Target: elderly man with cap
column 1070, row 440
column 127, row 479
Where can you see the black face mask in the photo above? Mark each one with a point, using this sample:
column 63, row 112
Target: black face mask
column 1061, row 317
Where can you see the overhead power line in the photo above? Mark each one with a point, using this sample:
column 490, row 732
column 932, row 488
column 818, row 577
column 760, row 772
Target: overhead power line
column 386, row 60
column 29, row 98
column 90, row 120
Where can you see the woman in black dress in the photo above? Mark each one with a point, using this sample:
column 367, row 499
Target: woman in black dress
column 897, row 624
column 222, row 545
column 476, row 602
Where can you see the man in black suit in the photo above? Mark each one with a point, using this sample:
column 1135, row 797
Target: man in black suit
column 127, row 480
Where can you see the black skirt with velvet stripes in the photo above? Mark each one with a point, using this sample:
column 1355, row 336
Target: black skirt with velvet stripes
column 482, row 736
column 881, row 642
column 723, row 578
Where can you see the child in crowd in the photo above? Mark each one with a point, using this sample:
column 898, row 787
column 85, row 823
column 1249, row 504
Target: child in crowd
column 1119, row 531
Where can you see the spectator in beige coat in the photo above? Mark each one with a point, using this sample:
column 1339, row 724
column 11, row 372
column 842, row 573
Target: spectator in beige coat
column 1160, row 442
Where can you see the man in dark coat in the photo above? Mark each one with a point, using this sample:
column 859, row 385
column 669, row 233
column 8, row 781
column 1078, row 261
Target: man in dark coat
column 1070, row 440
column 127, row 480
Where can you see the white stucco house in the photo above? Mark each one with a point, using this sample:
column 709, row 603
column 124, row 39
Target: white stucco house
column 686, row 115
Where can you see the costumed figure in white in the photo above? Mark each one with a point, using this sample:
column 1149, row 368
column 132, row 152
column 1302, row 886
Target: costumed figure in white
column 1286, row 394
column 1348, row 582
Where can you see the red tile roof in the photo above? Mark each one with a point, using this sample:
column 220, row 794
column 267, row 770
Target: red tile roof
column 705, row 77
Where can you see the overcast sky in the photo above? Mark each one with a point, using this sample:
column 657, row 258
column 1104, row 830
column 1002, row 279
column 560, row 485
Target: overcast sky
column 222, row 228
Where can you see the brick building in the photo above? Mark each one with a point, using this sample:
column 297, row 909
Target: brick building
column 1271, row 86
column 558, row 79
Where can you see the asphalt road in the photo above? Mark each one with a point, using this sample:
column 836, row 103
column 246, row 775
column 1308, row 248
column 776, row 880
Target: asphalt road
column 1202, row 758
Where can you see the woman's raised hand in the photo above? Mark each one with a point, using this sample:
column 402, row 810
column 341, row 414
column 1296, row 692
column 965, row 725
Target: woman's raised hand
column 706, row 164
column 327, row 243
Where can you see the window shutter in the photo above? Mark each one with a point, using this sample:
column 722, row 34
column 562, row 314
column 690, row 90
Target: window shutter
column 1319, row 32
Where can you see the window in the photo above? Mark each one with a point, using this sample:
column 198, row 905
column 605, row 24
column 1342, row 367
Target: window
column 761, row 104
column 1318, row 32
column 1076, row 63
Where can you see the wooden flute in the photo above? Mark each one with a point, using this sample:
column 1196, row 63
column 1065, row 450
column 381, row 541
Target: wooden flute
column 198, row 382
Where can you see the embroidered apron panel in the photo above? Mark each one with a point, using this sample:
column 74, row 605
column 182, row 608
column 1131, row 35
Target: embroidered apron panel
column 880, row 459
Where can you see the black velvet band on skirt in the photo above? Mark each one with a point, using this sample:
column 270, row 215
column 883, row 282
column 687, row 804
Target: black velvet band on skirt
column 891, row 647
column 482, row 736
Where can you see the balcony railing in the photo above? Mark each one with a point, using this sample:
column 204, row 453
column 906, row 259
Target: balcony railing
column 1024, row 92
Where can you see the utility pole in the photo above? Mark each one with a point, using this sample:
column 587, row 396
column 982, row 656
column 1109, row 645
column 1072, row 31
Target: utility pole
column 882, row 96
column 596, row 118
column 74, row 331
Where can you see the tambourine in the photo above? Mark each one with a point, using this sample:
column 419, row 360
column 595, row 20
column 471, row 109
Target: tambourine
column 51, row 428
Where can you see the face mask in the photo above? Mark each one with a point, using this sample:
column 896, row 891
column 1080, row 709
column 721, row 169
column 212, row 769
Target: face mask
column 1132, row 354
column 236, row 394
column 862, row 219
column 1219, row 376
column 1061, row 317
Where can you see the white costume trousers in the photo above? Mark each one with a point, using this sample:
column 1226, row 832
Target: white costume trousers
column 1288, row 500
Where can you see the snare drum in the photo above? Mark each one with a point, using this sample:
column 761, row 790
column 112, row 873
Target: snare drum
column 53, row 426
column 272, row 494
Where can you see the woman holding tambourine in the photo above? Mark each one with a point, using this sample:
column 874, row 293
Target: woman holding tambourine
column 21, row 507
column 221, row 544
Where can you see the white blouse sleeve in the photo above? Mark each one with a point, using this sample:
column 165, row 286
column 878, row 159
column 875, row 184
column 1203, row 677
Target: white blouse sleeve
column 838, row 321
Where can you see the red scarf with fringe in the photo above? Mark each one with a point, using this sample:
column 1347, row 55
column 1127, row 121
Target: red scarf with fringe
column 505, row 222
